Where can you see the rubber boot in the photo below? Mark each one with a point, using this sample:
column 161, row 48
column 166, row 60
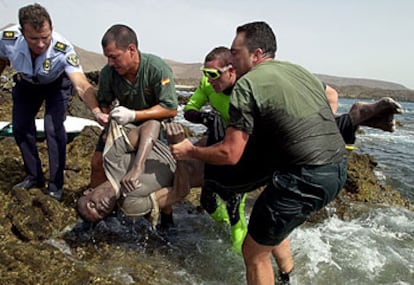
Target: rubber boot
column 220, row 215
column 239, row 230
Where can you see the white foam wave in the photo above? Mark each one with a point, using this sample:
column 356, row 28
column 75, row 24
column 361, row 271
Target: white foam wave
column 369, row 248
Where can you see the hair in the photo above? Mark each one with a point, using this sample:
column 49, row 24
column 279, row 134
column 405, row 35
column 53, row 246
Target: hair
column 34, row 15
column 259, row 35
column 221, row 53
column 80, row 212
column 122, row 35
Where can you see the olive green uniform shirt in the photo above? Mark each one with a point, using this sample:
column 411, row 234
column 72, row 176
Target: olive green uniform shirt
column 284, row 109
column 154, row 85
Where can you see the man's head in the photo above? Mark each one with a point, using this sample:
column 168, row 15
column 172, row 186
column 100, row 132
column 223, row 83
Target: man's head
column 254, row 43
column 97, row 203
column 36, row 27
column 219, row 70
column 120, row 46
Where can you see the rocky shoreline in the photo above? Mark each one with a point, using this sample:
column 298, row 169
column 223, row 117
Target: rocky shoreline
column 38, row 244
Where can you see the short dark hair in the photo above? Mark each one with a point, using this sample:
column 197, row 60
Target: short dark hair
column 259, row 35
column 34, row 15
column 122, row 35
column 221, row 53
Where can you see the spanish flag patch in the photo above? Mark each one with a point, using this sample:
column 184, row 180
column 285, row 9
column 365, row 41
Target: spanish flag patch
column 165, row 81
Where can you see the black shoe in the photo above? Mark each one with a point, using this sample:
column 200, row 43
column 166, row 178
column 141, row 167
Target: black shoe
column 283, row 279
column 55, row 193
column 166, row 222
column 27, row 184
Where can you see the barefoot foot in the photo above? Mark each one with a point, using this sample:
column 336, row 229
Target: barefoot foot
column 361, row 112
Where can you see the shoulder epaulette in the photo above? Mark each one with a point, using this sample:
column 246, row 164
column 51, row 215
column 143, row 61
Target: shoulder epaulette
column 9, row 35
column 59, row 46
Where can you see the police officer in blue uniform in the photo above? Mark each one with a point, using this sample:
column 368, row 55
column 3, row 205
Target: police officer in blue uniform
column 47, row 68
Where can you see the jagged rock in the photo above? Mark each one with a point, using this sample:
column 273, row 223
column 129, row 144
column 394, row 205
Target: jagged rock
column 35, row 216
column 43, row 263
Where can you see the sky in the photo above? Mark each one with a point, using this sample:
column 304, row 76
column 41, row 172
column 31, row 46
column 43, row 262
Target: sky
column 372, row 39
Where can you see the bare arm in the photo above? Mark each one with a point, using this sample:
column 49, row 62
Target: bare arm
column 142, row 138
column 228, row 151
column 87, row 93
column 156, row 112
column 189, row 173
column 332, row 97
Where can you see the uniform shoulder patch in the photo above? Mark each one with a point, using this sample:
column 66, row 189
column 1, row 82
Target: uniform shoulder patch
column 73, row 59
column 46, row 65
column 59, row 46
column 9, row 35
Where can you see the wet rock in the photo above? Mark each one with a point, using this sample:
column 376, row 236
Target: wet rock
column 43, row 263
column 362, row 191
column 362, row 184
column 78, row 161
column 35, row 216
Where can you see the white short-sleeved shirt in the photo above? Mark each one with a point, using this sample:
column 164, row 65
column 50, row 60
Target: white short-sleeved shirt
column 58, row 58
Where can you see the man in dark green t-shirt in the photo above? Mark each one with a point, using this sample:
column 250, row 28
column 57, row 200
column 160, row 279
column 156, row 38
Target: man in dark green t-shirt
column 133, row 87
column 279, row 114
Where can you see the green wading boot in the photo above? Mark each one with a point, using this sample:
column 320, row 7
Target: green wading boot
column 239, row 230
column 220, row 215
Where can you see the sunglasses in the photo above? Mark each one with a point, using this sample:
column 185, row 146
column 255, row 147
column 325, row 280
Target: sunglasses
column 213, row 73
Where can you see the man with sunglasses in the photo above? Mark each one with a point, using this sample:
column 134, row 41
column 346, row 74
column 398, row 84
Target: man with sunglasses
column 279, row 116
column 214, row 90
column 47, row 69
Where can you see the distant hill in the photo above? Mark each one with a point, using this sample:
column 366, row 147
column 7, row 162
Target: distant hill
column 91, row 61
column 6, row 26
column 185, row 73
column 371, row 83
column 190, row 74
